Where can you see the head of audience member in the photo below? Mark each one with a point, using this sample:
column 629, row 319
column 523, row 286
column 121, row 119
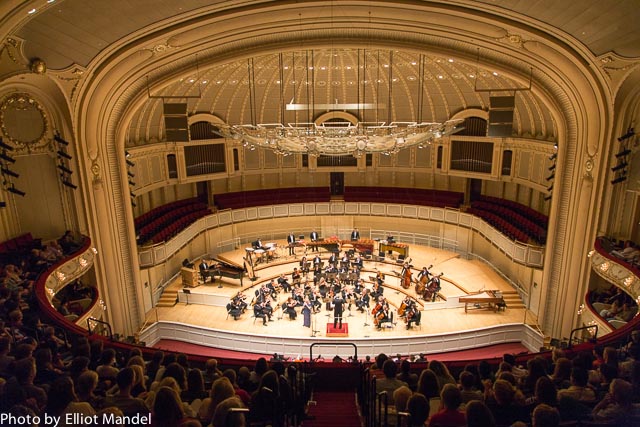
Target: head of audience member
column 221, row 389
column 229, row 413
column 401, row 396
column 545, row 416
column 579, row 377
column 610, row 355
column 125, row 380
column 25, row 370
column 390, row 369
column 504, row 392
column 451, row 397
column 467, row 380
column 87, row 383
column 546, row 392
column 261, row 366
column 428, row 384
column 621, row 392
column 508, row 376
column 479, row 415
column 177, row 372
column 418, row 407
column 60, row 395
column 167, row 408
column 380, row 359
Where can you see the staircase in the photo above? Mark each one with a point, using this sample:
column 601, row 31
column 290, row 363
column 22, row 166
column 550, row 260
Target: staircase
column 512, row 299
column 332, row 409
column 169, row 298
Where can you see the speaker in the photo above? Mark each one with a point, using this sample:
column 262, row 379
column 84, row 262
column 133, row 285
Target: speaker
column 174, row 109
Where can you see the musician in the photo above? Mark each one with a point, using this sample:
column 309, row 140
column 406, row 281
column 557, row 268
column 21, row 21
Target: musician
column 314, row 238
column 434, row 286
column 333, row 259
column 307, row 308
column 413, row 314
column 424, row 273
column 295, row 277
column 204, row 270
column 357, row 261
column 258, row 245
column 240, row 300
column 260, row 313
column 355, row 235
column 363, row 302
column 283, row 283
column 405, row 268
column 234, row 308
column 289, row 307
column 381, row 312
column 291, row 240
column 405, row 275
column 338, row 309
column 317, row 260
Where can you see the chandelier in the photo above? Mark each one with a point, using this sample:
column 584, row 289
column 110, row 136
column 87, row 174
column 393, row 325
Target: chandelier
column 337, row 136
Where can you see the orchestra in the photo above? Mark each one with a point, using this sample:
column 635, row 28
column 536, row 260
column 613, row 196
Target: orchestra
column 338, row 283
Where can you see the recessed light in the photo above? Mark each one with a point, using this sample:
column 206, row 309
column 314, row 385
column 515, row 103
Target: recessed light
column 414, row 63
column 192, row 80
column 32, row 11
column 440, row 76
column 386, row 65
column 450, row 59
column 495, row 73
column 472, row 75
column 204, row 82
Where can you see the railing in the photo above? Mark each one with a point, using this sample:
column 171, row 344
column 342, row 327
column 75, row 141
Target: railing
column 336, row 343
column 520, row 253
column 99, row 327
column 594, row 335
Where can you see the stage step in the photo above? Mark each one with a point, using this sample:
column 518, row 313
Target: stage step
column 512, row 299
column 169, row 298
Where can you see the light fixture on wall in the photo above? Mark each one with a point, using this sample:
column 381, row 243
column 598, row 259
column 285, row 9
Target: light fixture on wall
column 7, row 174
column 64, row 165
column 337, row 136
column 130, row 176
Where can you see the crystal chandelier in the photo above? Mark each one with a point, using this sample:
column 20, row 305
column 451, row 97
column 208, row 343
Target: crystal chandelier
column 338, row 136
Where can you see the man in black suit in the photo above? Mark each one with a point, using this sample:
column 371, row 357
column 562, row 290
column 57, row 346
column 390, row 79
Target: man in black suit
column 291, row 240
column 355, row 234
column 204, row 270
column 338, row 309
column 314, row 238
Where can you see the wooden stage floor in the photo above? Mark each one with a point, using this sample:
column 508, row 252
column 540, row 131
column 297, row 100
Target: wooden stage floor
column 461, row 277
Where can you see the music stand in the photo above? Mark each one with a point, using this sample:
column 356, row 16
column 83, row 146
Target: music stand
column 366, row 316
column 187, row 292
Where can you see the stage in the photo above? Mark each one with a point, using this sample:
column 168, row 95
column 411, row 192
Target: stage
column 201, row 317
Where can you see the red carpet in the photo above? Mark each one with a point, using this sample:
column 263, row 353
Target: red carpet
column 337, row 332
column 333, row 409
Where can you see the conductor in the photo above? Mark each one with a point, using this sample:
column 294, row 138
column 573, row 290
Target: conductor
column 338, row 309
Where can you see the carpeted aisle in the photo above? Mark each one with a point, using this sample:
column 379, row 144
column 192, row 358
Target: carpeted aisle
column 333, row 409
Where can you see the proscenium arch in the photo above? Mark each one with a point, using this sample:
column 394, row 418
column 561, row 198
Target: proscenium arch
column 119, row 82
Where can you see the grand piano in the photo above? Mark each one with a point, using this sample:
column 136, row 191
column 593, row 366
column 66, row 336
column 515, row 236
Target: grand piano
column 222, row 269
column 492, row 300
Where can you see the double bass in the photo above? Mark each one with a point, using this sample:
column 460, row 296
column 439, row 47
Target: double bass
column 406, row 278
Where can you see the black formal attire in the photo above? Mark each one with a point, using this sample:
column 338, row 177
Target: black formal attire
column 291, row 240
column 338, row 309
column 306, row 314
column 204, row 271
column 355, row 235
column 314, row 238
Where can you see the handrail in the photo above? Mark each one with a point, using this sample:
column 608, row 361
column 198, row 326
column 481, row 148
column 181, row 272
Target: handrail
column 385, row 398
column 92, row 321
column 355, row 347
column 595, row 334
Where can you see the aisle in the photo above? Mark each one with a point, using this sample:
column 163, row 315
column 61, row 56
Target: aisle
column 334, row 408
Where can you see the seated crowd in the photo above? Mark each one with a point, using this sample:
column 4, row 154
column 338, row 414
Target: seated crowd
column 603, row 387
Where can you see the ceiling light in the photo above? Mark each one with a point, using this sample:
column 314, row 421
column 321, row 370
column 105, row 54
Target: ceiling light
column 440, row 76
column 450, row 59
column 472, row 76
column 192, row 80
column 32, row 11
column 494, row 73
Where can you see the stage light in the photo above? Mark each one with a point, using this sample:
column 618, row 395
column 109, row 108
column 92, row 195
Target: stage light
column 5, row 146
column 130, row 163
column 550, row 177
column 547, row 198
column 132, row 194
column 132, row 183
column 619, row 179
column 69, row 184
column 619, row 166
column 131, row 174
column 9, row 172
column 550, row 188
column 63, row 154
column 60, row 140
column 133, row 204
column 14, row 190
column 623, row 153
column 627, row 135
column 6, row 158
column 553, row 156
column 127, row 154
column 65, row 169
column 552, row 167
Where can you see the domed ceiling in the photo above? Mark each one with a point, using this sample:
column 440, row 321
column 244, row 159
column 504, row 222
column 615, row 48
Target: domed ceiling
column 368, row 85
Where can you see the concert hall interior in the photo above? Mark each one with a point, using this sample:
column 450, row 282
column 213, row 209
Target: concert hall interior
column 466, row 172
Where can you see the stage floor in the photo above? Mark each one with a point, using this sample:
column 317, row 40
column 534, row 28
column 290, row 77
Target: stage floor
column 461, row 277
